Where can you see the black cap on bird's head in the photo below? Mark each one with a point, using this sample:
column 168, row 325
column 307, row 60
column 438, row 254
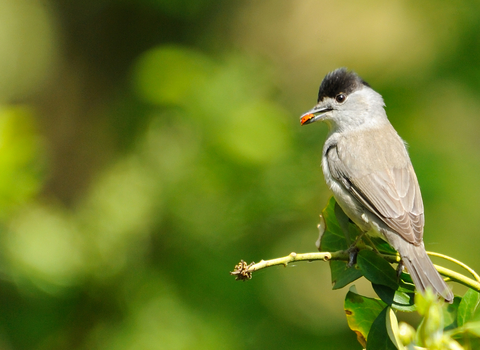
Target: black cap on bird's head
column 339, row 81
column 336, row 86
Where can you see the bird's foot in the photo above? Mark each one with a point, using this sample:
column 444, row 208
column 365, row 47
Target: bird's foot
column 400, row 268
column 352, row 255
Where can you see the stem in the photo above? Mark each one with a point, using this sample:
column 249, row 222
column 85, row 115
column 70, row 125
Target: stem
column 459, row 263
column 459, row 278
column 243, row 271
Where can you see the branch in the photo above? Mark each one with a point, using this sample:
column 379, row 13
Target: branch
column 459, row 278
column 244, row 271
column 459, row 263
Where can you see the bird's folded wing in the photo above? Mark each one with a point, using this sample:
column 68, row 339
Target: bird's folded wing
column 391, row 193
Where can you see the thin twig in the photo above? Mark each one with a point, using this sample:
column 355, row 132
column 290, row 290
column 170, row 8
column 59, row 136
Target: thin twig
column 458, row 277
column 459, row 263
column 243, row 271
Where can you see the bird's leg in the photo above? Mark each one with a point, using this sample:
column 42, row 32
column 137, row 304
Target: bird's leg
column 400, row 268
column 352, row 255
column 353, row 251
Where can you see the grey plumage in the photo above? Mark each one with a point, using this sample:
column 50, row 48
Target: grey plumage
column 367, row 167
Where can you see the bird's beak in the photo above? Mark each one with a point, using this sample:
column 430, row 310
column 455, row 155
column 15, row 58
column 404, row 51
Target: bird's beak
column 313, row 115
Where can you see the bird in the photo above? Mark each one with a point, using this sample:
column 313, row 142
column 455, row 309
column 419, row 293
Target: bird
column 367, row 167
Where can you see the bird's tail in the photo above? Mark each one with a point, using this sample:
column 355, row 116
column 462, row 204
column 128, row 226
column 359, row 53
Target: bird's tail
column 423, row 272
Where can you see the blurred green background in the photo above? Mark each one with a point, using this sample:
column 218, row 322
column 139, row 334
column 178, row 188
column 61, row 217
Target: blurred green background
column 146, row 146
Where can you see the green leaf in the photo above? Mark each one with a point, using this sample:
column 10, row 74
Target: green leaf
column 343, row 221
column 378, row 337
column 450, row 312
column 430, row 330
column 392, row 328
column 353, row 232
column 397, row 299
column 376, row 269
column 467, row 307
column 473, row 327
column 343, row 275
column 334, row 238
column 361, row 313
column 382, row 246
column 406, row 283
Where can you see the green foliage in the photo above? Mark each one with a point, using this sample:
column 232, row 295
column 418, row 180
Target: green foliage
column 467, row 307
column 339, row 232
column 381, row 331
column 401, row 299
column 147, row 145
column 376, row 269
column 443, row 326
column 361, row 313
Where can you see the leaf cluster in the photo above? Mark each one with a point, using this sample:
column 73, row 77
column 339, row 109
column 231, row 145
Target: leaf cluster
column 374, row 320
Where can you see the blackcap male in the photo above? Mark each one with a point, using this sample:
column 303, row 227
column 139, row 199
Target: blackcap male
column 367, row 167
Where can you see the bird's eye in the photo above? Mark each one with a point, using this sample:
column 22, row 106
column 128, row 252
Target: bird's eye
column 340, row 98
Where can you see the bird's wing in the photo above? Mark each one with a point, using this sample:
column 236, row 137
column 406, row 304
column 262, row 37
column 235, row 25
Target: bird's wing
column 390, row 192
